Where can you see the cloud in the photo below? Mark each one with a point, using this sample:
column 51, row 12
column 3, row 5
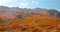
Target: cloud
column 24, row 4
column 4, row 2
column 33, row 1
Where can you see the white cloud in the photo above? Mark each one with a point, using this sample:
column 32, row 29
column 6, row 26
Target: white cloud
column 33, row 1
column 24, row 4
column 4, row 2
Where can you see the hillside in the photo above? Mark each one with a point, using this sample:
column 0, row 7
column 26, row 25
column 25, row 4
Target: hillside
column 29, row 20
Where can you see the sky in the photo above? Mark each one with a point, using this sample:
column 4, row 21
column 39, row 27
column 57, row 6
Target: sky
column 48, row 4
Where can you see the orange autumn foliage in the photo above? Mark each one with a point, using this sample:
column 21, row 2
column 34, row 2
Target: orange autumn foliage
column 35, row 23
column 14, row 23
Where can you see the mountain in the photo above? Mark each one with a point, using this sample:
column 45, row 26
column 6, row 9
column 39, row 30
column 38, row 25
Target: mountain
column 23, row 19
column 54, row 12
column 16, row 11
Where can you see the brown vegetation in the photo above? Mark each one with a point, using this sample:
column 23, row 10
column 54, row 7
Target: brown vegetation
column 30, row 20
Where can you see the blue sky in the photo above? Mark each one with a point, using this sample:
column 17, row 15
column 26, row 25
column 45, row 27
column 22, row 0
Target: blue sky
column 48, row 4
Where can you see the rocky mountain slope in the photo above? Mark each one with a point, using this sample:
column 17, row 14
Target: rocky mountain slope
column 6, row 11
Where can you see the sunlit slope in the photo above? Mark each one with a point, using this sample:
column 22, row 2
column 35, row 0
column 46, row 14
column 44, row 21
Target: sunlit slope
column 36, row 20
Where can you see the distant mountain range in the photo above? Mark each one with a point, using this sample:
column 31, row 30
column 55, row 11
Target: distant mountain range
column 16, row 11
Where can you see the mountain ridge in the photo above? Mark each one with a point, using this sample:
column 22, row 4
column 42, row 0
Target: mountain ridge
column 37, row 11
